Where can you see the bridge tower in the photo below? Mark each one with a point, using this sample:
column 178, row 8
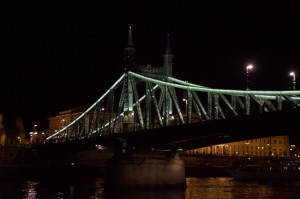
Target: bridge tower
column 168, row 59
column 150, row 169
column 167, row 71
column 129, row 57
column 129, row 52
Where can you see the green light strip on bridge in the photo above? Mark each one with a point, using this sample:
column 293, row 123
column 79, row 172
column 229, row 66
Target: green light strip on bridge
column 121, row 114
column 91, row 107
column 211, row 90
column 186, row 86
column 185, row 82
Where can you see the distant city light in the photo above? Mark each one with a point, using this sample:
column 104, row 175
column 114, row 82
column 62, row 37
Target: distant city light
column 249, row 67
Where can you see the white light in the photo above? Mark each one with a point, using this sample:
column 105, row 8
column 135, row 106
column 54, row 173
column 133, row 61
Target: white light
column 249, row 67
column 292, row 74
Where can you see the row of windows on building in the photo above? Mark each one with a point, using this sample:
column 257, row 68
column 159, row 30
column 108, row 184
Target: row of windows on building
column 272, row 146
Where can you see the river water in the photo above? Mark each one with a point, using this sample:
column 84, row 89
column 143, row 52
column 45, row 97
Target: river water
column 89, row 187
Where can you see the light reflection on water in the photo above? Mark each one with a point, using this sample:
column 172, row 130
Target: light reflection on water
column 30, row 191
column 93, row 188
column 74, row 188
column 229, row 188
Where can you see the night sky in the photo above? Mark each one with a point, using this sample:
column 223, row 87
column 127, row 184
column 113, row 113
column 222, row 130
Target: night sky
column 58, row 56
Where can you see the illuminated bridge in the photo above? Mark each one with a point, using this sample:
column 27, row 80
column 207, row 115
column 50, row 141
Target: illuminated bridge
column 148, row 109
column 144, row 104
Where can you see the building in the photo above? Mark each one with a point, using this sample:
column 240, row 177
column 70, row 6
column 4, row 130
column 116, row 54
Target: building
column 12, row 131
column 63, row 118
column 277, row 146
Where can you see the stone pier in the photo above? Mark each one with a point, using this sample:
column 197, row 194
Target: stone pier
column 144, row 170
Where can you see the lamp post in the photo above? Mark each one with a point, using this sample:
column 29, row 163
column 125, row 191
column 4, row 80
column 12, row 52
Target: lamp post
column 33, row 133
column 294, row 79
column 184, row 99
column 248, row 68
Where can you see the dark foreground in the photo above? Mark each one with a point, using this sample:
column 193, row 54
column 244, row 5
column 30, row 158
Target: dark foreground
column 78, row 186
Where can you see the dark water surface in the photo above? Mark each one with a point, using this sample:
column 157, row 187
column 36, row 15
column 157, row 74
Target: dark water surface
column 89, row 187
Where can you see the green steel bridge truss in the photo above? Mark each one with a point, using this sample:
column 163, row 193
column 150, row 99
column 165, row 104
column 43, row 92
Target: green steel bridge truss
column 140, row 101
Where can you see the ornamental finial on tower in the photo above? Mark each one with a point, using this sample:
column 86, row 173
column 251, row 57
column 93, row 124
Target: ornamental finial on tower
column 168, row 46
column 130, row 43
column 129, row 51
column 168, row 57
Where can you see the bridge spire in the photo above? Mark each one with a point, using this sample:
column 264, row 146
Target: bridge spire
column 130, row 43
column 168, row 57
column 129, row 51
column 167, row 70
column 168, row 46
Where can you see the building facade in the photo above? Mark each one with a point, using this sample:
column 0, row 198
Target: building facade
column 62, row 119
column 277, row 146
column 12, row 131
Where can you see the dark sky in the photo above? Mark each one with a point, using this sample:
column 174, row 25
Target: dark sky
column 58, row 56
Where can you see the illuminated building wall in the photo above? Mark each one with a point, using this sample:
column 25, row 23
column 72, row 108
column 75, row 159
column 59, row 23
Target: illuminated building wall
column 62, row 119
column 277, row 146
column 66, row 117
column 12, row 131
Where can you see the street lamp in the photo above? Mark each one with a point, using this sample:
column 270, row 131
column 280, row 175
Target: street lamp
column 294, row 79
column 248, row 68
column 185, row 100
column 33, row 133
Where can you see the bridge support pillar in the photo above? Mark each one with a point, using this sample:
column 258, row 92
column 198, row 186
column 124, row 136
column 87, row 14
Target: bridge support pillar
column 146, row 171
